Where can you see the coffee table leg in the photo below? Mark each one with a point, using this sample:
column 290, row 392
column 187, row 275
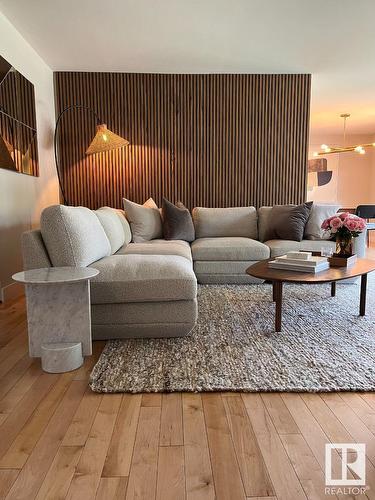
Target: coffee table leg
column 333, row 289
column 278, row 288
column 362, row 302
column 274, row 291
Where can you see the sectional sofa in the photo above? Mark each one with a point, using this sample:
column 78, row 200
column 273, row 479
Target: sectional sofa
column 149, row 289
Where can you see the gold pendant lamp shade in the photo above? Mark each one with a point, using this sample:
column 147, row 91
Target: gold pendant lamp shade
column 105, row 140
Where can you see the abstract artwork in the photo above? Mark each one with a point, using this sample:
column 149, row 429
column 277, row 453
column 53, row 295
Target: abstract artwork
column 318, row 175
column 18, row 140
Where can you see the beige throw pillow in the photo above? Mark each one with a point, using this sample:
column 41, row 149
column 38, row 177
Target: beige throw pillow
column 145, row 220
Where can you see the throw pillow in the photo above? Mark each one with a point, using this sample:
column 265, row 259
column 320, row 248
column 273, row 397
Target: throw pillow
column 145, row 220
column 150, row 204
column 177, row 222
column 287, row 222
column 319, row 212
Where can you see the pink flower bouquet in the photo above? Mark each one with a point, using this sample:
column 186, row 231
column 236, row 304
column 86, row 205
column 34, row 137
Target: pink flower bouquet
column 344, row 225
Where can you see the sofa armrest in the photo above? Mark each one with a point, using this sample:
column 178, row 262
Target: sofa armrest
column 359, row 246
column 34, row 252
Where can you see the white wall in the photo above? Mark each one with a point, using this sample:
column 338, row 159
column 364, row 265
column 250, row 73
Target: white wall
column 22, row 197
column 353, row 178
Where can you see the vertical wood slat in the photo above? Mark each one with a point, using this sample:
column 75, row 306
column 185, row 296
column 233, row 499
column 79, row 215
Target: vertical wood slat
column 208, row 140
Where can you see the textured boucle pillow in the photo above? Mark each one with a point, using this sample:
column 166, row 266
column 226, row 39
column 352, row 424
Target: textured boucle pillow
column 145, row 220
column 177, row 222
column 73, row 236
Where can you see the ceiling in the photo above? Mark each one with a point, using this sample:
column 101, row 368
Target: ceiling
column 332, row 39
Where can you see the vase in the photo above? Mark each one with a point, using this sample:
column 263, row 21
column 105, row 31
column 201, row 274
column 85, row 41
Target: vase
column 344, row 246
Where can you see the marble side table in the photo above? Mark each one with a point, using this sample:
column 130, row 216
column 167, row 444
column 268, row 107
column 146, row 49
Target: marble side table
column 58, row 315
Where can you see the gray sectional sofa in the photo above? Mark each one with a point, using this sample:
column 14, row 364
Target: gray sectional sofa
column 149, row 289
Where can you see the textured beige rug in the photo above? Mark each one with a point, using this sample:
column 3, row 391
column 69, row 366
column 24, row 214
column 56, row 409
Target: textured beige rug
column 324, row 345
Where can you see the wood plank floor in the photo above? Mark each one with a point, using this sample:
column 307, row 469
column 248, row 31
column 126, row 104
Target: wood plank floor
column 60, row 440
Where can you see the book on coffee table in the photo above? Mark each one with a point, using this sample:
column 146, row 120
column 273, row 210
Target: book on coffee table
column 312, row 261
column 313, row 264
column 300, row 255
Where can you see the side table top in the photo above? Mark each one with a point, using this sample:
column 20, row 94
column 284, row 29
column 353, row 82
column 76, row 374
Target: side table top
column 55, row 275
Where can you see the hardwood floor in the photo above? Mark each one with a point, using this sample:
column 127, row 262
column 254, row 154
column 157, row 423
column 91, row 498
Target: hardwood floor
column 60, row 440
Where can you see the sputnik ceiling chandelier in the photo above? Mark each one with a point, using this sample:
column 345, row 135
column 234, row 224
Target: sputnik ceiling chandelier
column 357, row 148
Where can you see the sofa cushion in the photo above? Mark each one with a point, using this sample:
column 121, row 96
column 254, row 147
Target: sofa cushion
column 264, row 219
column 73, row 236
column 177, row 222
column 145, row 220
column 110, row 220
column 222, row 267
column 143, row 278
column 158, row 247
column 222, row 222
column 281, row 247
column 319, row 212
column 287, row 222
column 229, row 249
column 125, row 225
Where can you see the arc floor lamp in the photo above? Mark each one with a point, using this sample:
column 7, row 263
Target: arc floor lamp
column 104, row 140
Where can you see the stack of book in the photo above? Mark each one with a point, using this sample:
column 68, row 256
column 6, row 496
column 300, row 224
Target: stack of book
column 304, row 262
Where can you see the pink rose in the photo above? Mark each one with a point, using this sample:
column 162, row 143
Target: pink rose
column 336, row 223
column 326, row 224
column 344, row 215
column 351, row 224
column 361, row 224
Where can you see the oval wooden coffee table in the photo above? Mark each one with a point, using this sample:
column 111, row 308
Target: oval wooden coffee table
column 361, row 268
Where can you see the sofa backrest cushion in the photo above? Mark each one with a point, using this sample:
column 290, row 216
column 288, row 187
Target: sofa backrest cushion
column 264, row 216
column 73, row 236
column 110, row 220
column 125, row 225
column 221, row 222
column 319, row 212
column 145, row 220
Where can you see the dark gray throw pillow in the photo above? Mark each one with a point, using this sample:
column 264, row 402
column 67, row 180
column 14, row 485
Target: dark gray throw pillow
column 177, row 222
column 287, row 222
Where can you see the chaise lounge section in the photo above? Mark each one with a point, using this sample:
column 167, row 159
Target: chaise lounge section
column 142, row 290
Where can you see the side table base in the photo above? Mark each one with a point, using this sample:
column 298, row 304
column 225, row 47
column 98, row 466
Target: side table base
column 61, row 357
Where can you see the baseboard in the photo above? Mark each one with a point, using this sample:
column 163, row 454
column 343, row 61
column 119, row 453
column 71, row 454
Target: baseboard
column 11, row 292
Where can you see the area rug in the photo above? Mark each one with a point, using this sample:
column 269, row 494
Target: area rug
column 324, row 345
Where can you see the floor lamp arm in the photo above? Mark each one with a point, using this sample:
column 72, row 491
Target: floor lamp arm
column 55, row 145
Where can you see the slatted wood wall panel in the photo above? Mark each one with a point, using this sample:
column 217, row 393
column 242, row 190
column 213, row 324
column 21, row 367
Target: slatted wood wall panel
column 207, row 140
